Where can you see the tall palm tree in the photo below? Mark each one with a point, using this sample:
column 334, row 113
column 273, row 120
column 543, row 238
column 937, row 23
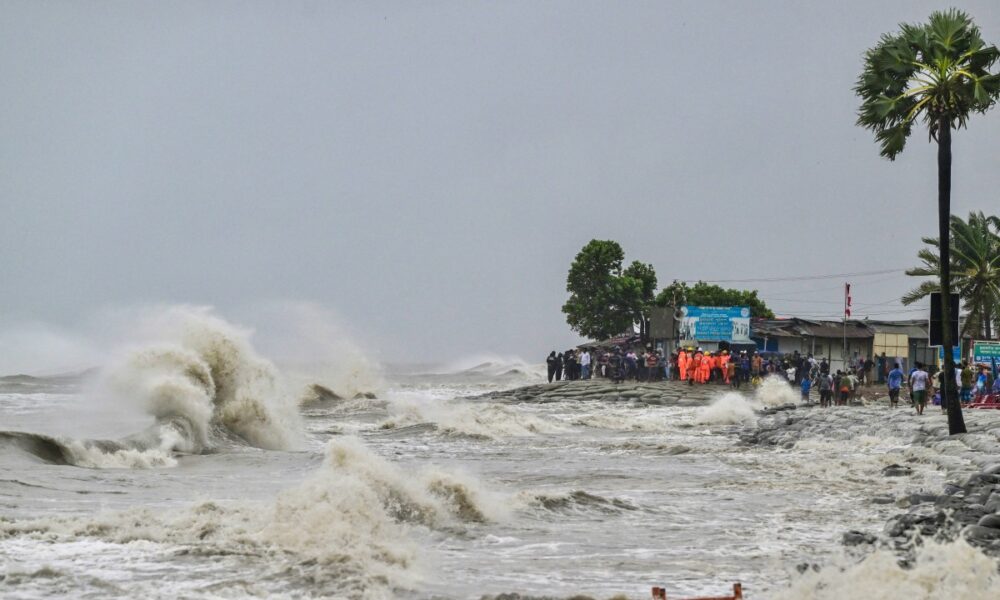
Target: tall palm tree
column 975, row 270
column 938, row 71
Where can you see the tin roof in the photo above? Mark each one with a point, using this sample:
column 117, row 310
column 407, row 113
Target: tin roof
column 795, row 327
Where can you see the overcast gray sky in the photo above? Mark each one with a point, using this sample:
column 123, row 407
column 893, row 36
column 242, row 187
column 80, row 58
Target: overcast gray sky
column 427, row 171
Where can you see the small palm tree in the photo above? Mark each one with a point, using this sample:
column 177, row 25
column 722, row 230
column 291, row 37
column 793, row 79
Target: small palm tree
column 975, row 270
column 939, row 72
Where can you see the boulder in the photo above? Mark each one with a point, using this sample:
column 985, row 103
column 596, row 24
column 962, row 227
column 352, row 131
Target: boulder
column 991, row 521
column 856, row 538
column 895, row 470
column 977, row 532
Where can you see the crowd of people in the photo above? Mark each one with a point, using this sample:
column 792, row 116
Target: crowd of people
column 924, row 385
column 691, row 365
column 613, row 364
column 837, row 388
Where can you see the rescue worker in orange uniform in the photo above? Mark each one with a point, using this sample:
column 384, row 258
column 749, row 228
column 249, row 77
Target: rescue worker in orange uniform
column 682, row 364
column 724, row 366
column 694, row 368
column 706, row 367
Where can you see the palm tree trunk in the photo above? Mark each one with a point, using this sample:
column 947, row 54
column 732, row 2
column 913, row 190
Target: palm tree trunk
column 949, row 397
column 988, row 320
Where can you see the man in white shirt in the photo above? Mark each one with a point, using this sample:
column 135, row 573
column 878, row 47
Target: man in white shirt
column 918, row 385
column 585, row 364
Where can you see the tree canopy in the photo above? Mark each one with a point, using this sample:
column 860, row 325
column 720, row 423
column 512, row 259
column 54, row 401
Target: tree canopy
column 606, row 300
column 938, row 71
column 679, row 293
column 975, row 271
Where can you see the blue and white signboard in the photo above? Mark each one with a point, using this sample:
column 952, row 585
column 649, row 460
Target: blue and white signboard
column 716, row 324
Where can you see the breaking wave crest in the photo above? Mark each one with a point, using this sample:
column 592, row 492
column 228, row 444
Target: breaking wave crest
column 211, row 379
column 204, row 385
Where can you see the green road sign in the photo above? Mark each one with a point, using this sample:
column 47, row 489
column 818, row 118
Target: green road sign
column 985, row 352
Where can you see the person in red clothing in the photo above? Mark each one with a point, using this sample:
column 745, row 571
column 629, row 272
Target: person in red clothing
column 652, row 362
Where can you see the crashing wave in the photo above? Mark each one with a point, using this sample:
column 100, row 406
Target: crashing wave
column 206, row 388
column 345, row 529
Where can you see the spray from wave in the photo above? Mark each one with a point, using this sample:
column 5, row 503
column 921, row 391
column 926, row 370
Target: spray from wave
column 775, row 391
column 733, row 408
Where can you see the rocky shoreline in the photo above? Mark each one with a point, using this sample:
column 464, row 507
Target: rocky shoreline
column 967, row 506
column 657, row 393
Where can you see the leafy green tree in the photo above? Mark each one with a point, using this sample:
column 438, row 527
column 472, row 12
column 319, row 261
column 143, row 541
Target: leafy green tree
column 642, row 278
column 606, row 300
column 679, row 293
column 975, row 271
column 938, row 71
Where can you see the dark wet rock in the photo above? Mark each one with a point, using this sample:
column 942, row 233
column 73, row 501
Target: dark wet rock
column 897, row 471
column 924, row 524
column 365, row 395
column 882, row 499
column 992, row 521
column 949, row 502
column 856, row 538
column 968, row 515
column 914, row 499
column 976, row 532
column 978, row 479
column 951, row 489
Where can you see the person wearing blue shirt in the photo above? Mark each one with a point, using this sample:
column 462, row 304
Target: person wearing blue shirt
column 895, row 382
column 806, row 384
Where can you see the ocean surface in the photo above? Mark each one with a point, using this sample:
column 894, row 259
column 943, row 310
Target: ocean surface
column 195, row 468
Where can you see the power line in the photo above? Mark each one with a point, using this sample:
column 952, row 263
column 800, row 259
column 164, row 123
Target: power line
column 840, row 315
column 833, row 302
column 837, row 287
column 796, row 278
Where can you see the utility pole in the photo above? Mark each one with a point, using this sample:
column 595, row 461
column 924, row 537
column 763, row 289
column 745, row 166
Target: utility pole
column 847, row 313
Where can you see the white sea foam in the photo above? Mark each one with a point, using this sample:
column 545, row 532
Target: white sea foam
column 83, row 454
column 942, row 570
column 485, row 420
